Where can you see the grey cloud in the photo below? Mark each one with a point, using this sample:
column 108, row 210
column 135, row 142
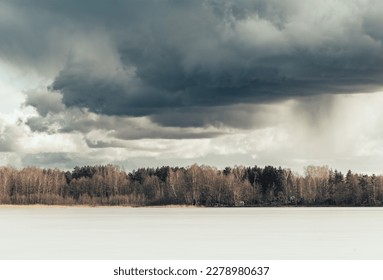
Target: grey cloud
column 48, row 159
column 6, row 143
column 64, row 161
column 173, row 56
column 165, row 133
column 8, row 137
column 373, row 22
column 67, row 161
column 114, row 128
column 45, row 102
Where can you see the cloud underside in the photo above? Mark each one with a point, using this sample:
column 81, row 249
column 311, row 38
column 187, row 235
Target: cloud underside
column 342, row 131
column 174, row 61
column 177, row 81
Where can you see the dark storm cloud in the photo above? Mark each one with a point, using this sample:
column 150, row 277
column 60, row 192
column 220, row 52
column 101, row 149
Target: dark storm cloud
column 173, row 56
column 236, row 116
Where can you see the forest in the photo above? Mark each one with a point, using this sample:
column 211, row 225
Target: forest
column 196, row 185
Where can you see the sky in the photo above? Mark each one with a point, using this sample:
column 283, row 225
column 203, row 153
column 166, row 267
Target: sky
column 174, row 82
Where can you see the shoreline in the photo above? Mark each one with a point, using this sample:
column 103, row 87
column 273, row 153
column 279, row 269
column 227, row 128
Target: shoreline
column 39, row 206
column 90, row 206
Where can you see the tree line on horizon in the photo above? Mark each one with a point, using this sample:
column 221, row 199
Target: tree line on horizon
column 193, row 185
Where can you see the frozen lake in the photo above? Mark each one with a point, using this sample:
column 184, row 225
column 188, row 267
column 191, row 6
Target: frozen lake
column 191, row 233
